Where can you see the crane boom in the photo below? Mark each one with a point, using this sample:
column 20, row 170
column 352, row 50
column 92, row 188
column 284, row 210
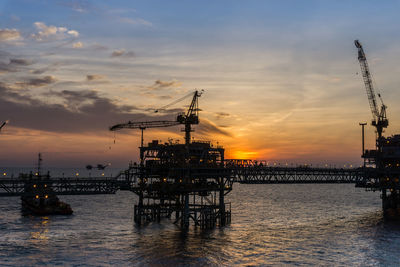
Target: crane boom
column 367, row 79
column 173, row 103
column 379, row 117
column 143, row 125
column 2, row 125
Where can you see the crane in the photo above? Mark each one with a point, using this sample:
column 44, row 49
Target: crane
column 188, row 118
column 143, row 125
column 2, row 125
column 379, row 116
column 191, row 116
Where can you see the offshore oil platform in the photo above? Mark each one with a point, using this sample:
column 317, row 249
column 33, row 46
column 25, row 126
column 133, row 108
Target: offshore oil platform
column 382, row 164
column 188, row 182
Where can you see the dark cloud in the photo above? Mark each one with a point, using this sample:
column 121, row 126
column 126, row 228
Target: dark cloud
column 14, row 64
column 207, row 127
column 4, row 68
column 9, row 94
column 221, row 115
column 20, row 61
column 39, row 71
column 122, row 53
column 172, row 83
column 75, row 96
column 94, row 77
column 51, row 67
column 159, row 84
column 37, row 82
column 92, row 113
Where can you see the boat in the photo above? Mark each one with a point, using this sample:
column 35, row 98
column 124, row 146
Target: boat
column 39, row 198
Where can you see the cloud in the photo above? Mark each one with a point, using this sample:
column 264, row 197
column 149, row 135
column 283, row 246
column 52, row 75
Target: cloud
column 5, row 68
column 39, row 71
column 37, row 82
column 80, row 111
column 77, row 45
column 20, row 61
column 47, row 32
column 136, row 21
column 159, row 84
column 9, row 35
column 207, row 127
column 80, row 6
column 74, row 100
column 162, row 89
column 221, row 115
column 94, row 77
column 98, row 47
column 51, row 67
column 172, row 83
column 73, row 33
column 14, row 65
column 152, row 95
column 122, row 53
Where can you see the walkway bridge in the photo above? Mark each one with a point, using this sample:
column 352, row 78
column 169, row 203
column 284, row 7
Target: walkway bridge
column 240, row 173
column 296, row 175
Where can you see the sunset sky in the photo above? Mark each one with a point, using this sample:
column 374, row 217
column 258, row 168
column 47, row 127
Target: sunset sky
column 281, row 78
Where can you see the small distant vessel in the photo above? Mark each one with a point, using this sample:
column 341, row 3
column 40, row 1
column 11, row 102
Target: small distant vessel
column 99, row 166
column 39, row 198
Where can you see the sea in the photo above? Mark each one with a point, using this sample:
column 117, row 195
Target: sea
column 272, row 225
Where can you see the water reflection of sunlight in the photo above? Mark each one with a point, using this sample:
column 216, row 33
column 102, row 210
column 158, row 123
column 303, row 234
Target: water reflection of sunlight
column 39, row 235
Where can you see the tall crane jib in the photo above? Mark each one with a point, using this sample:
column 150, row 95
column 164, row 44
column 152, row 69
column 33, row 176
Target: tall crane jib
column 379, row 116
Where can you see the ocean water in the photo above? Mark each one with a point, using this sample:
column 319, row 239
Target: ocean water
column 324, row 225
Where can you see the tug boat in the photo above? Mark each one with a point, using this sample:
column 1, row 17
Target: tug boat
column 39, row 198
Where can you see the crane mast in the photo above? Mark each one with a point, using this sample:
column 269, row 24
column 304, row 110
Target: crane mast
column 379, row 117
column 191, row 116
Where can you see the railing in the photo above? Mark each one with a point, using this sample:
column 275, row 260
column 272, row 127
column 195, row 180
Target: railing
column 295, row 175
column 249, row 174
column 61, row 186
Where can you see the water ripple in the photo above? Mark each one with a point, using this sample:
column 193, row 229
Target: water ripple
column 297, row 225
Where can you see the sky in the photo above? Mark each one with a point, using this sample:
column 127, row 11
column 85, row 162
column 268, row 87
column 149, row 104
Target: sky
column 281, row 79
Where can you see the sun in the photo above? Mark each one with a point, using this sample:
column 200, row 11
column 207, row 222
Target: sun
column 239, row 154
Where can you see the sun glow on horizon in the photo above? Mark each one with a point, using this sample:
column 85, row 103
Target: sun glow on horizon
column 240, row 154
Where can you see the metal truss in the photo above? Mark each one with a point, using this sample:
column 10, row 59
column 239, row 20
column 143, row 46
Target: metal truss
column 295, row 175
column 61, row 186
column 128, row 179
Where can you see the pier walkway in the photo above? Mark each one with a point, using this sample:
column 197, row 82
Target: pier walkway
column 245, row 174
